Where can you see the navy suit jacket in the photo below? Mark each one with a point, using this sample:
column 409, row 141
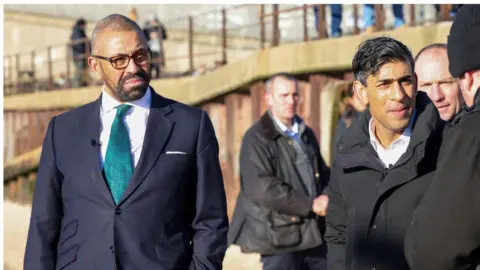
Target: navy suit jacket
column 172, row 215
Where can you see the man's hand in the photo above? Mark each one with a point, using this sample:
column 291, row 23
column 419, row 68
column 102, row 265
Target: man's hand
column 320, row 204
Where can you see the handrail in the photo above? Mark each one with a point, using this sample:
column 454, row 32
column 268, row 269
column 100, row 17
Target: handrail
column 287, row 10
column 253, row 34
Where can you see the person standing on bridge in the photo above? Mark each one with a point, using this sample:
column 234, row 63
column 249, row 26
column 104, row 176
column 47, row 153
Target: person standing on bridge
column 79, row 41
column 131, row 180
column 384, row 162
column 279, row 211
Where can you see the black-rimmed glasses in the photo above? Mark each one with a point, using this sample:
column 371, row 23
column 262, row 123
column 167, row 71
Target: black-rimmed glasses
column 141, row 58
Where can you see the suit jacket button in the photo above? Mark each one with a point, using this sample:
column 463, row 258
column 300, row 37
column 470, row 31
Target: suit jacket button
column 118, row 211
column 317, row 175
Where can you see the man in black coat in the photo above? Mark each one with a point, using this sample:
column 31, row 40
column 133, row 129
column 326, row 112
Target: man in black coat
column 353, row 108
column 282, row 174
column 79, row 49
column 445, row 230
column 384, row 162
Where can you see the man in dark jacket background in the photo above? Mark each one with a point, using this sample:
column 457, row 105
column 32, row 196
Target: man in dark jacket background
column 384, row 162
column 445, row 230
column 282, row 174
column 353, row 108
column 79, row 49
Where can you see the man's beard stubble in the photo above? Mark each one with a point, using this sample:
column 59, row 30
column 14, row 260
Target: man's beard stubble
column 133, row 93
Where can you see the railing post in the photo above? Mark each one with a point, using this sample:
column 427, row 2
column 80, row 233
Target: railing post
column 276, row 31
column 379, row 17
column 68, row 61
column 224, row 36
column 322, row 24
column 10, row 70
column 23, row 189
column 32, row 177
column 305, row 21
column 11, row 190
column 356, row 30
column 444, row 12
column 33, row 71
column 50, row 68
column 412, row 15
column 17, row 67
column 6, row 74
column 262, row 26
column 190, row 42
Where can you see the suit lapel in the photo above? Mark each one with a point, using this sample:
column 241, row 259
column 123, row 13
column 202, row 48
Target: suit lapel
column 159, row 128
column 89, row 127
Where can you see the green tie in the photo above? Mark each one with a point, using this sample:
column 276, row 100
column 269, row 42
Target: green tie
column 118, row 159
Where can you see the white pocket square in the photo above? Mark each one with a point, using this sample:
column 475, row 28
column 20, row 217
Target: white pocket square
column 175, row 153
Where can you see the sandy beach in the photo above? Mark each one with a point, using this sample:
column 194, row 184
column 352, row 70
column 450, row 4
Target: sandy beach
column 17, row 218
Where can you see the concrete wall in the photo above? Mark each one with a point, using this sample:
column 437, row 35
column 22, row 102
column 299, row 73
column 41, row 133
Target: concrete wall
column 300, row 58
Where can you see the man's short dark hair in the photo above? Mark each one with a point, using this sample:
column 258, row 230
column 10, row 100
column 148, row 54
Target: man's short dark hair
column 375, row 52
column 431, row 47
column 81, row 21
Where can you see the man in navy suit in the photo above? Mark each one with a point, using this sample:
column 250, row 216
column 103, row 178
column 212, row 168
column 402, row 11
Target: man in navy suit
column 131, row 180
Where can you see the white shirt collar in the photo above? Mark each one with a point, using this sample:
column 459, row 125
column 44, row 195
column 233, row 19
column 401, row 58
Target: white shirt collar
column 402, row 140
column 284, row 128
column 109, row 103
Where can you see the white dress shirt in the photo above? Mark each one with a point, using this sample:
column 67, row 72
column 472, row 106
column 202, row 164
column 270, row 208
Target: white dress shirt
column 135, row 119
column 397, row 148
column 284, row 128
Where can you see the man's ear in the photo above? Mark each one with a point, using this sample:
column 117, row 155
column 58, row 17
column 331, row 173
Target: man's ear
column 360, row 92
column 468, row 81
column 268, row 98
column 93, row 64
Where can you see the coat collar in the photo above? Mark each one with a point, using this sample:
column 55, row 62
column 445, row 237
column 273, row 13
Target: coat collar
column 426, row 121
column 357, row 153
column 270, row 129
column 108, row 103
column 466, row 110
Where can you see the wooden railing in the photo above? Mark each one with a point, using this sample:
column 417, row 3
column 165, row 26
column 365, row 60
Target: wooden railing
column 21, row 77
